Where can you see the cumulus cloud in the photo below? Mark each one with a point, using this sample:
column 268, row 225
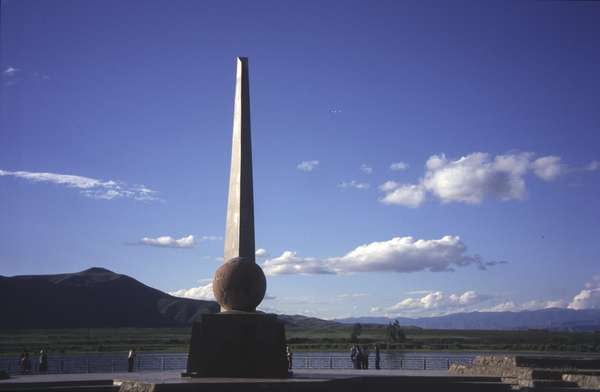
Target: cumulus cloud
column 548, row 168
column 290, row 263
column 434, row 303
column 170, row 242
column 513, row 306
column 586, row 299
column 593, row 166
column 473, row 178
column 90, row 187
column 10, row 71
column 366, row 168
column 307, row 166
column 589, row 297
column 260, row 252
column 399, row 166
column 438, row 302
column 354, row 185
column 201, row 292
column 400, row 254
column 407, row 195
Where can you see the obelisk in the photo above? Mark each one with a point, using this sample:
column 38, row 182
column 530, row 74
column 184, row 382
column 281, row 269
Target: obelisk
column 239, row 341
column 239, row 284
column 239, row 231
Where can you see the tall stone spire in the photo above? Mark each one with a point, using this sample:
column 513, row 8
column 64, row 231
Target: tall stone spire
column 239, row 234
column 240, row 284
column 238, row 341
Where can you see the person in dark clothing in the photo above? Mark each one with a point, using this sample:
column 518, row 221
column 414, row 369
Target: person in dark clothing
column 364, row 357
column 355, row 357
column 377, row 357
column 131, row 360
column 288, row 354
column 43, row 362
column 27, row 363
column 22, row 362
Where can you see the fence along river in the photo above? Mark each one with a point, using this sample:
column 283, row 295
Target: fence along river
column 109, row 363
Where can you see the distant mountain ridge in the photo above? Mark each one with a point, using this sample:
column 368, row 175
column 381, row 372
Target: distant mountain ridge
column 551, row 319
column 98, row 298
column 93, row 298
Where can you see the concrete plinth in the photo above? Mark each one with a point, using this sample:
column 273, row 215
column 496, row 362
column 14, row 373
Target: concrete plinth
column 245, row 345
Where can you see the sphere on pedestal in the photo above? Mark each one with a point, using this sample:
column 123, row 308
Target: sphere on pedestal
column 239, row 284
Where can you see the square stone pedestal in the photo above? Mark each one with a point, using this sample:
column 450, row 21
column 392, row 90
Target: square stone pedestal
column 238, row 344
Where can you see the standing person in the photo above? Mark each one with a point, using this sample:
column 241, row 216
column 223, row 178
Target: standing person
column 288, row 354
column 377, row 357
column 22, row 362
column 131, row 360
column 365, row 357
column 27, row 363
column 43, row 362
column 354, row 357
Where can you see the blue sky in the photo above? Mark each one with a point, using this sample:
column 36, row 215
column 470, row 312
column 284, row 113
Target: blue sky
column 490, row 113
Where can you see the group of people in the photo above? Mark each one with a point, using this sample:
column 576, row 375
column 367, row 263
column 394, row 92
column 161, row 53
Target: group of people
column 359, row 355
column 26, row 366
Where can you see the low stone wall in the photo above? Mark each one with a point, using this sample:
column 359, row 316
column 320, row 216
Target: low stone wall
column 531, row 371
column 583, row 380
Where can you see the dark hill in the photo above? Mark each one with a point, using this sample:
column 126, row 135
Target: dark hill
column 95, row 298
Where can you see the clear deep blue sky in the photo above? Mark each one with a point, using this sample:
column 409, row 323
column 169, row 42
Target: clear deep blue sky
column 141, row 93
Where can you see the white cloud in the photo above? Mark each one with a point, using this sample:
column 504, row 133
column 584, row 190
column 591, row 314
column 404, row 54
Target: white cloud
column 353, row 295
column 589, row 297
column 366, row 168
column 593, row 166
column 399, row 166
column 512, row 306
column 400, row 254
column 407, row 195
column 90, row 187
column 170, row 242
column 548, row 168
column 289, row 263
column 201, row 292
column 473, row 178
column 586, row 299
column 307, row 166
column 435, row 303
column 10, row 71
column 260, row 252
column 354, row 184
column 210, row 238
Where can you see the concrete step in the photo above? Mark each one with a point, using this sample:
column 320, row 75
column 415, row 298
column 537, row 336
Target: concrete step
column 60, row 386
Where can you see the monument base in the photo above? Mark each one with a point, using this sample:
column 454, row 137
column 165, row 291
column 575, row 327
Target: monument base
column 237, row 344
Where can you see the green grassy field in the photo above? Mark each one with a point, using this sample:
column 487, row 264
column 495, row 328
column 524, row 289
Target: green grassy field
column 329, row 338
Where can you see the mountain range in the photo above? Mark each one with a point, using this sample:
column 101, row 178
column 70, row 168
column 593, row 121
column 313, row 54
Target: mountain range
column 98, row 298
column 550, row 319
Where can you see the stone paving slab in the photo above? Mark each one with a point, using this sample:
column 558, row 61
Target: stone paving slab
column 347, row 380
column 174, row 376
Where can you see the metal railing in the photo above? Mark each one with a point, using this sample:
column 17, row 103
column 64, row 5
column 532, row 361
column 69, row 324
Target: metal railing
column 165, row 362
column 300, row 361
